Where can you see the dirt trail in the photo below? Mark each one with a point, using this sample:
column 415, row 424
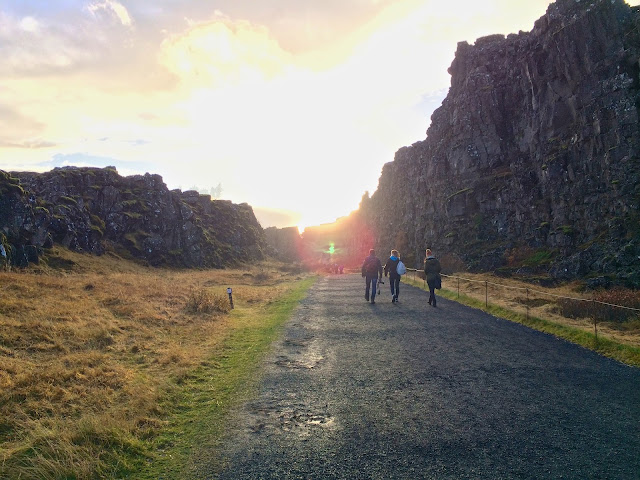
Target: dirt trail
column 406, row 391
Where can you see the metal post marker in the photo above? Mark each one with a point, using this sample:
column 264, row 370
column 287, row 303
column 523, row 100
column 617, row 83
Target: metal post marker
column 230, row 297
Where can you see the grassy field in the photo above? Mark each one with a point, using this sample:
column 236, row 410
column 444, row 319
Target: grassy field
column 553, row 310
column 105, row 363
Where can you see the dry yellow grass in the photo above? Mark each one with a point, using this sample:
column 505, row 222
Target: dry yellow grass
column 516, row 295
column 86, row 353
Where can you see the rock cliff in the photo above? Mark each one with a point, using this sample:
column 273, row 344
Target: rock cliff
column 532, row 163
column 87, row 209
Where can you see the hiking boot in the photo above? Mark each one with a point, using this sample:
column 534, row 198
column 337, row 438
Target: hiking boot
column 373, row 301
column 366, row 297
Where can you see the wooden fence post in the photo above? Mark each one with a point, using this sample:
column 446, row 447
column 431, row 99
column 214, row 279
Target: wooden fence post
column 486, row 294
column 595, row 318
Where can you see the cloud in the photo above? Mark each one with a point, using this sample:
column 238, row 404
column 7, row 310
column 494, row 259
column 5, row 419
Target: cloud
column 113, row 9
column 83, row 159
column 29, row 144
column 23, row 47
column 38, row 46
column 325, row 27
column 18, row 127
column 29, row 24
column 223, row 53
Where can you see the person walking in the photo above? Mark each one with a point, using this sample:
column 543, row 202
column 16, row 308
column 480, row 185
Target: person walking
column 3, row 258
column 372, row 271
column 432, row 274
column 391, row 269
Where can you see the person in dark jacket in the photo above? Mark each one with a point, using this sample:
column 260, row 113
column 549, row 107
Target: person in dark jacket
column 432, row 274
column 372, row 271
column 391, row 269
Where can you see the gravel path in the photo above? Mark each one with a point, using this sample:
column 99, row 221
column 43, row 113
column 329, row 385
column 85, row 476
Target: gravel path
column 407, row 391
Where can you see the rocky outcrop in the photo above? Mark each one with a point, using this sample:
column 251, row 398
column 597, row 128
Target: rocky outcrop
column 23, row 227
column 533, row 160
column 86, row 209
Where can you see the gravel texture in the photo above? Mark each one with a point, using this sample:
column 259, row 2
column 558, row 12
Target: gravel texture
column 407, row 391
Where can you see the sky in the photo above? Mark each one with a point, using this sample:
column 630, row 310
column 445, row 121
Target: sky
column 292, row 106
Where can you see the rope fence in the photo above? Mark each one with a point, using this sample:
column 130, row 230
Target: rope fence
column 527, row 292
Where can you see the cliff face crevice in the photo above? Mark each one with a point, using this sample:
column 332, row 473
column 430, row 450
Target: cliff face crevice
column 86, row 209
column 536, row 148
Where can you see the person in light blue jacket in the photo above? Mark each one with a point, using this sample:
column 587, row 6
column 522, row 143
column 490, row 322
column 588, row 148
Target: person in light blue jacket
column 391, row 269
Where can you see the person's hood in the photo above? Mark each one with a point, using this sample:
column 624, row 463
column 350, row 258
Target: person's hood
column 393, row 257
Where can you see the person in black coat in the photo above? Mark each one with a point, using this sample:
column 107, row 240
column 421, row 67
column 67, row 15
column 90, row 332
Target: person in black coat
column 372, row 271
column 432, row 274
column 391, row 269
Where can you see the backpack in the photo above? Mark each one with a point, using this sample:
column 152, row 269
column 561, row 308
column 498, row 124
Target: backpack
column 401, row 269
column 372, row 267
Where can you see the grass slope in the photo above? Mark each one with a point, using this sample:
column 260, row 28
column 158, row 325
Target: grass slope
column 105, row 365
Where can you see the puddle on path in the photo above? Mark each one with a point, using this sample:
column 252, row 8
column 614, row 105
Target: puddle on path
column 300, row 354
column 269, row 418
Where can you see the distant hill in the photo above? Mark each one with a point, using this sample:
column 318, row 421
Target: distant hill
column 532, row 163
column 92, row 209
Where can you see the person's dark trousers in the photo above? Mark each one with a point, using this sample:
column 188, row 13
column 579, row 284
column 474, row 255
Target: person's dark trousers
column 432, row 294
column 371, row 282
column 394, row 284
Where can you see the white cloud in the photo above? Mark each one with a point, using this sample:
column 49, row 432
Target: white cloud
column 114, row 9
column 222, row 53
column 29, row 24
column 40, row 46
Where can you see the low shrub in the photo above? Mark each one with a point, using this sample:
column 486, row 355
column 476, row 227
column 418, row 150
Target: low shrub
column 262, row 276
column 203, row 301
column 605, row 307
column 617, row 296
column 295, row 268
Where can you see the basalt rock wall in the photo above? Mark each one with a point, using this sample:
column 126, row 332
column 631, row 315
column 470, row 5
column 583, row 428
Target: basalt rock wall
column 533, row 159
column 88, row 209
